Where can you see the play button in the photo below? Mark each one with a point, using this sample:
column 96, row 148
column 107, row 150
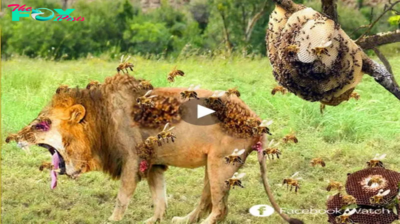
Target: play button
column 196, row 112
column 203, row 111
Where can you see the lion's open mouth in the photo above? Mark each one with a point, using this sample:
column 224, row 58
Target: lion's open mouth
column 52, row 150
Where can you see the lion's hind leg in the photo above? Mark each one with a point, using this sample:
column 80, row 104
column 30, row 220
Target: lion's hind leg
column 156, row 183
column 202, row 210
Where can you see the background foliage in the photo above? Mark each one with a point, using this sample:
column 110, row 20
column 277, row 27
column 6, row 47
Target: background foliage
column 119, row 26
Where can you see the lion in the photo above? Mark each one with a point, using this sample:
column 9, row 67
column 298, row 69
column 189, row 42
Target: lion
column 104, row 128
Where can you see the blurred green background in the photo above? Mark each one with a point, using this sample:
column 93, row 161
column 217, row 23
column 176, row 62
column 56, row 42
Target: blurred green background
column 163, row 29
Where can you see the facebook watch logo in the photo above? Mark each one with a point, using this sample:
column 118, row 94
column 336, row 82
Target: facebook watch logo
column 261, row 210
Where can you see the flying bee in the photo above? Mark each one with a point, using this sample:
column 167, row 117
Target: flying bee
column 235, row 157
column 151, row 141
column 376, row 161
column 190, row 93
column 292, row 48
column 166, row 134
column 376, row 179
column 334, row 185
column 145, row 85
column 289, row 138
column 175, row 72
column 322, row 49
column 292, row 182
column 345, row 217
column 262, row 128
column 215, row 100
column 233, row 91
column 272, row 150
column 317, row 161
column 124, row 65
column 146, row 100
column 378, row 198
column 349, row 199
column 322, row 107
column 235, row 180
column 281, row 89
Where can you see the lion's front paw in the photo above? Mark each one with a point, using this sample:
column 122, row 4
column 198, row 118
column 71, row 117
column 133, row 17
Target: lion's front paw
column 152, row 220
column 180, row 220
column 114, row 218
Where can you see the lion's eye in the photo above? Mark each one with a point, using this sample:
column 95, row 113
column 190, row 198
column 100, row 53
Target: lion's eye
column 43, row 126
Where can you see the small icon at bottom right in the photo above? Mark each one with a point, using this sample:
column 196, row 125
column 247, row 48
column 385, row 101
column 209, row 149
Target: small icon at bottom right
column 261, row 210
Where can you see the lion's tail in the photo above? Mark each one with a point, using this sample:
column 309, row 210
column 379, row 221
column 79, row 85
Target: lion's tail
column 263, row 169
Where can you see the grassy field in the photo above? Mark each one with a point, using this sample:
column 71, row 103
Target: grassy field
column 346, row 137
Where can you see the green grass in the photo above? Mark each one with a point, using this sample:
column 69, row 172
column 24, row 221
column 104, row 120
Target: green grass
column 346, row 137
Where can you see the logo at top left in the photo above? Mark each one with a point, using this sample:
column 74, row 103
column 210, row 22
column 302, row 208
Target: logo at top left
column 42, row 14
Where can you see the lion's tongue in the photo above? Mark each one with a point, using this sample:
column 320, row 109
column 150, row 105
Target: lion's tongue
column 53, row 173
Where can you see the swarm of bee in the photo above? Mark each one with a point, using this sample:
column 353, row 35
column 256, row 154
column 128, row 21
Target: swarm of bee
column 235, row 157
column 166, row 134
column 334, row 185
column 317, row 161
column 262, row 128
column 292, row 182
column 232, row 91
column 289, row 138
column 235, row 180
column 378, row 198
column 312, row 56
column 345, row 217
column 174, row 73
column 280, row 89
column 376, row 161
column 190, row 93
column 124, row 65
column 272, row 150
column 146, row 99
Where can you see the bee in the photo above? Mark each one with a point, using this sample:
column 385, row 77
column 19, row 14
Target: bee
column 289, row 138
column 378, row 198
column 281, row 89
column 175, row 72
column 345, row 217
column 235, row 180
column 166, row 134
column 322, row 49
column 322, row 107
column 349, row 199
column 376, row 161
column 151, row 141
column 355, row 95
column 272, row 150
column 292, row 48
column 317, row 161
column 235, row 157
column 46, row 165
column 145, row 85
column 146, row 99
column 233, row 91
column 376, row 179
column 292, row 182
column 190, row 93
column 252, row 122
column 215, row 99
column 124, row 65
column 262, row 128
column 334, row 185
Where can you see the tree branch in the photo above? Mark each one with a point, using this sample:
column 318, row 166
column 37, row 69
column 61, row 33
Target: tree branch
column 288, row 5
column 252, row 22
column 381, row 75
column 369, row 42
column 329, row 8
column 383, row 59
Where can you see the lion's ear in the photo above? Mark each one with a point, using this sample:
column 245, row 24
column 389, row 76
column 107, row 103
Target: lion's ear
column 77, row 112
